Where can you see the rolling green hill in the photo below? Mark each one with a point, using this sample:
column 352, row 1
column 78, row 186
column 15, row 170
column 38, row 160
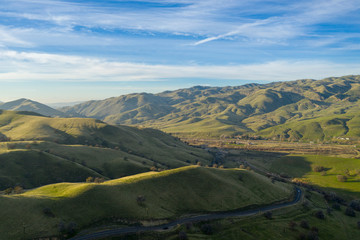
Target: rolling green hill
column 37, row 150
column 328, row 108
column 166, row 195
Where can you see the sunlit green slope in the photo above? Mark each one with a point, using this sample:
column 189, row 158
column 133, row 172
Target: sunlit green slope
column 167, row 194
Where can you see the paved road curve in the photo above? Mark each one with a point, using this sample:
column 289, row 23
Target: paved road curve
column 205, row 217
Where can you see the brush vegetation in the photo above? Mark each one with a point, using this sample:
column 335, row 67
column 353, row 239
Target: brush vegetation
column 166, row 195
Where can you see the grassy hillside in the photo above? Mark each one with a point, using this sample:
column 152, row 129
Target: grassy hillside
column 302, row 167
column 216, row 111
column 285, row 224
column 167, row 195
column 74, row 148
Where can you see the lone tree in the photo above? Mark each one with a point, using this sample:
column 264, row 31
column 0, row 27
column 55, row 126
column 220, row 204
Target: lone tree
column 319, row 214
column 140, row 199
column 350, row 212
column 8, row 191
column 18, row 190
column 304, row 224
column 336, row 206
column 47, row 212
column 268, row 215
column 341, row 178
column 207, row 229
column 183, row 235
column 318, row 168
column 99, row 180
column 355, row 204
column 292, row 225
column 89, row 179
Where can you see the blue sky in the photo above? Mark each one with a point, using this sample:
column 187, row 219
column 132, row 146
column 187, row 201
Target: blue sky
column 63, row 50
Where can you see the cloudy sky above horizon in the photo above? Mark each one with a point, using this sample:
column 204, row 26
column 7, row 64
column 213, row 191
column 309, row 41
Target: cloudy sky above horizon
column 64, row 51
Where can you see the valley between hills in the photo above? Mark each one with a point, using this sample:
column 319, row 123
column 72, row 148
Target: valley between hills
column 150, row 159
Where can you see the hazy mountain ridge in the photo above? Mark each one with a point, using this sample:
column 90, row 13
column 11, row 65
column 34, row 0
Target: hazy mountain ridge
column 214, row 111
column 31, row 106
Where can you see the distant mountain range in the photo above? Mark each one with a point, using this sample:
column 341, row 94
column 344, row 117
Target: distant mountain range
column 304, row 109
column 31, row 106
column 63, row 104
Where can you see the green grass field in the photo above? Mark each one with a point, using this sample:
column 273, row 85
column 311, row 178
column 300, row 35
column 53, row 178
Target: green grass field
column 168, row 194
column 302, row 167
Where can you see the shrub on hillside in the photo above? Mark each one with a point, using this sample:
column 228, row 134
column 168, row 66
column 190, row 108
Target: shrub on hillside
column 89, row 179
column 8, row 191
column 47, row 212
column 314, row 229
column 140, row 199
column 18, row 190
column 99, row 180
column 207, row 229
column 350, row 212
column 304, row 224
column 329, row 210
column 268, row 215
column 341, row 178
column 292, row 225
column 336, row 206
column 355, row 204
column 319, row 214
column 301, row 236
column 68, row 229
column 183, row 235
column 312, row 236
column 318, row 168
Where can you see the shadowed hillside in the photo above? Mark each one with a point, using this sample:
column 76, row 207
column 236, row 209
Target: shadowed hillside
column 248, row 109
column 37, row 150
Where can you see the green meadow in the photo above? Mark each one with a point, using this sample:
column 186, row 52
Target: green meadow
column 302, row 168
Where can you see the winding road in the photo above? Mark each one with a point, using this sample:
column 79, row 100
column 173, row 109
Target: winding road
column 205, row 217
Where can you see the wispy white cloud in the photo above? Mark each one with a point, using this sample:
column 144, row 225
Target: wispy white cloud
column 28, row 66
column 300, row 20
column 10, row 37
column 258, row 21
